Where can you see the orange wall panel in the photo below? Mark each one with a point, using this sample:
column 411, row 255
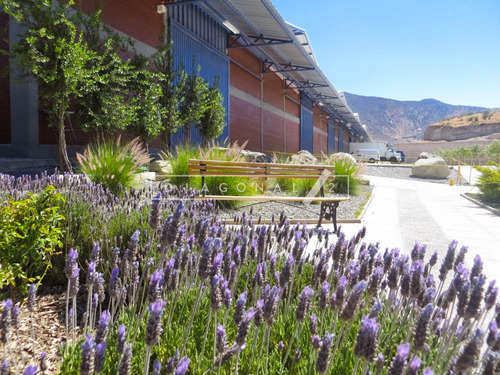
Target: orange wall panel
column 244, row 81
column 273, row 90
column 273, row 132
column 245, row 123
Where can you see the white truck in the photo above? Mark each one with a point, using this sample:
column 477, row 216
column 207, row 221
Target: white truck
column 386, row 151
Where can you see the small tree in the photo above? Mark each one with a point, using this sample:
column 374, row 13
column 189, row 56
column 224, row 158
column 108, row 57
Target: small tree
column 52, row 53
column 212, row 121
column 193, row 106
column 172, row 83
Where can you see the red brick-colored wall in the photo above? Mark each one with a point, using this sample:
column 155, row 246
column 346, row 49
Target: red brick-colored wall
column 137, row 18
column 4, row 82
column 320, row 128
column 264, row 117
column 337, row 125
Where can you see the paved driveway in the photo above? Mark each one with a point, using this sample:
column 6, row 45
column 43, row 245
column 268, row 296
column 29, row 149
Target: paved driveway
column 404, row 211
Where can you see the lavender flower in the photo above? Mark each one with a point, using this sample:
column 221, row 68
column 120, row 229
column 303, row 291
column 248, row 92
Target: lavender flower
column 324, row 295
column 470, row 353
column 43, row 362
column 114, row 284
column 427, row 371
column 475, row 298
column 216, row 292
column 271, row 300
column 313, row 324
column 448, row 261
column 477, row 267
column 70, row 262
column 304, row 303
column 121, row 338
column 239, row 309
column 375, row 310
column 31, row 298
column 490, row 296
column 420, row 335
column 221, row 338
column 30, row 370
column 243, row 328
column 287, row 271
column 316, row 342
column 366, row 341
column 74, row 285
column 460, row 257
column 4, row 370
column 5, row 320
column 415, row 364
column 154, row 288
column 100, row 356
column 156, row 367
column 87, row 361
column 125, row 362
column 324, row 353
column 102, row 328
column 353, row 301
column 153, row 328
column 399, row 361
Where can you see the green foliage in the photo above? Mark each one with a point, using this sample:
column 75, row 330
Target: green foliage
column 30, row 235
column 489, row 182
column 493, row 150
column 212, row 122
column 193, row 105
column 172, row 81
column 214, row 185
column 112, row 163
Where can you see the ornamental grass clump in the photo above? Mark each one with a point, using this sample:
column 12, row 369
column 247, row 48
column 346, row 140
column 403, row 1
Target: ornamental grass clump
column 112, row 163
column 187, row 293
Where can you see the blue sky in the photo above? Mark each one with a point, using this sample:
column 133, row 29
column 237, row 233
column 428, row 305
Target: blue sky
column 448, row 50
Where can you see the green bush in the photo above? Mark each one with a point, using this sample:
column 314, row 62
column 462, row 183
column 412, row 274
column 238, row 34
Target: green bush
column 214, row 185
column 489, row 182
column 493, row 150
column 113, row 164
column 30, row 235
column 348, row 175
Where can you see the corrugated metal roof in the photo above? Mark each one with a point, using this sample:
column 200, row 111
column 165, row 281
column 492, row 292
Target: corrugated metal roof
column 261, row 28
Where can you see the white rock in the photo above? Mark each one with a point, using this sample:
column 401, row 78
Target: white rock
column 303, row 157
column 254, row 157
column 434, row 167
column 161, row 167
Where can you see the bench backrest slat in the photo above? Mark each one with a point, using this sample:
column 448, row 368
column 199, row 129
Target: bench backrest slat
column 259, row 165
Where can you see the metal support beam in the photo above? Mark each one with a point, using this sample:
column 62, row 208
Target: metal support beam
column 180, row 2
column 259, row 41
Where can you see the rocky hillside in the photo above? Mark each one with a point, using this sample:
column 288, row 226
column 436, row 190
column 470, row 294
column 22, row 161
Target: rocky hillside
column 468, row 126
column 394, row 121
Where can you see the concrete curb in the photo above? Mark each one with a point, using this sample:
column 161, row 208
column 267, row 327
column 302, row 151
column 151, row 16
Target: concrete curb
column 367, row 204
column 481, row 204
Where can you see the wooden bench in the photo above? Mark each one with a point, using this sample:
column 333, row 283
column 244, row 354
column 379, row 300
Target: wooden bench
column 322, row 173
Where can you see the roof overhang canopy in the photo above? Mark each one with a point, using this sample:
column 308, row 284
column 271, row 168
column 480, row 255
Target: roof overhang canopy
column 285, row 49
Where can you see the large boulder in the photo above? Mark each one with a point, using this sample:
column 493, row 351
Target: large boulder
column 161, row 167
column 426, row 155
column 254, row 156
column 433, row 167
column 303, row 157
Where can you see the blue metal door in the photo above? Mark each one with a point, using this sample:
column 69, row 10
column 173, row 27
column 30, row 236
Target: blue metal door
column 331, row 136
column 341, row 138
column 213, row 64
column 306, row 129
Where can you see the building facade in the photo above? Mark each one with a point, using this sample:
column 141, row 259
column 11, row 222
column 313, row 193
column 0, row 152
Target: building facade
column 275, row 95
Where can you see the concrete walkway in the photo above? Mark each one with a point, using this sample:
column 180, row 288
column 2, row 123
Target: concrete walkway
column 404, row 211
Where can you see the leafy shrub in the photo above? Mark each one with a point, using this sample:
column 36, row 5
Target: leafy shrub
column 489, row 182
column 30, row 235
column 348, row 173
column 214, row 185
column 112, row 163
column 493, row 150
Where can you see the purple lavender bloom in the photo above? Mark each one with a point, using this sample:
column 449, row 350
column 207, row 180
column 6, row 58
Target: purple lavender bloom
column 304, row 303
column 32, row 297
column 221, row 338
column 316, row 342
column 399, row 361
column 182, row 367
column 415, row 364
column 281, row 346
column 427, row 371
column 102, row 328
column 30, row 370
column 5, row 368
column 43, row 363
column 153, row 328
column 125, row 362
column 154, row 288
column 239, row 309
column 87, row 361
column 122, row 330
column 324, row 353
column 313, row 324
column 324, row 295
column 287, row 271
column 448, row 261
column 366, row 341
column 243, row 328
column 420, row 335
column 74, row 281
column 156, row 367
column 100, row 356
column 491, row 295
column 353, row 301
column 114, row 285
column 70, row 261
column 376, row 308
column 271, row 300
column 477, row 267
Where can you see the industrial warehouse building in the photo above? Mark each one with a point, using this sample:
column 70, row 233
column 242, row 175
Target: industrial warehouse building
column 275, row 94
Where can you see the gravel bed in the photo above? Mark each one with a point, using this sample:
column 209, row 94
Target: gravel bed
column 392, row 171
column 298, row 211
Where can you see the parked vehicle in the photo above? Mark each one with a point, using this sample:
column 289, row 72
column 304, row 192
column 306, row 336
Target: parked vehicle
column 386, row 151
column 402, row 155
column 369, row 155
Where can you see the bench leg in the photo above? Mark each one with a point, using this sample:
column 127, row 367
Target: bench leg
column 328, row 211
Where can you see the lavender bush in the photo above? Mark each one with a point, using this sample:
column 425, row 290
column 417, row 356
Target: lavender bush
column 193, row 294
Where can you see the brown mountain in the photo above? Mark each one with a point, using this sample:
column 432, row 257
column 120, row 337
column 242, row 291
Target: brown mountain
column 389, row 120
column 471, row 125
